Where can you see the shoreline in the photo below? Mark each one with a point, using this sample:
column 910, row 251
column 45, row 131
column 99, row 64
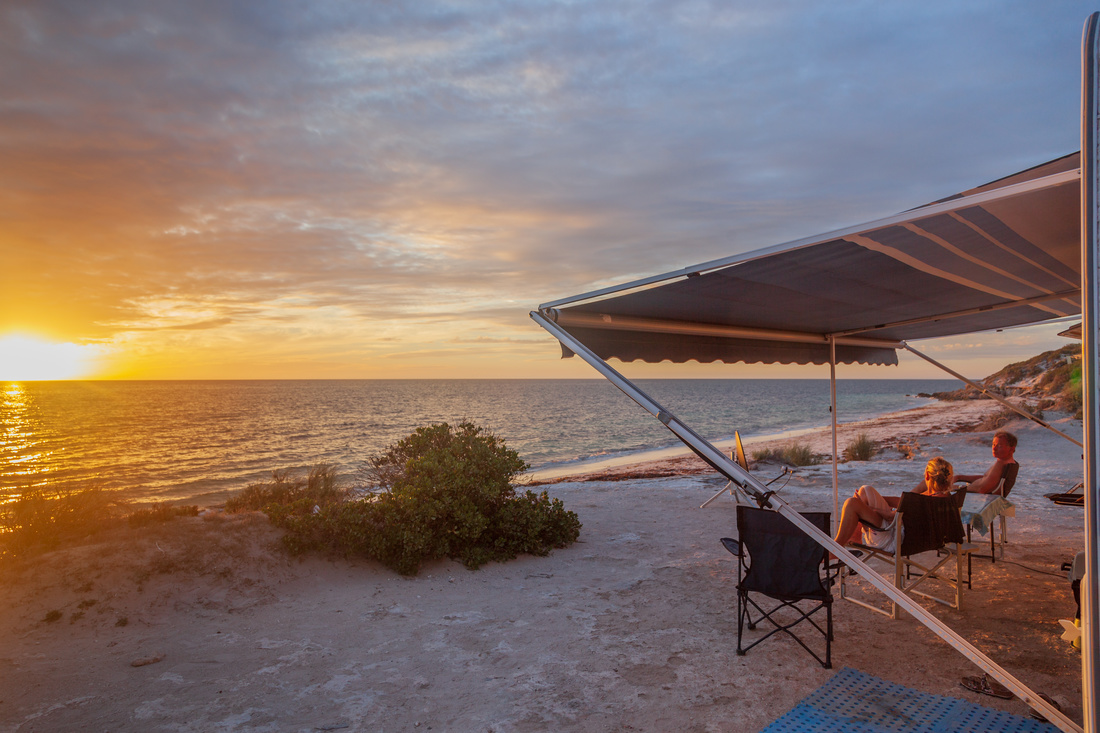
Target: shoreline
column 897, row 428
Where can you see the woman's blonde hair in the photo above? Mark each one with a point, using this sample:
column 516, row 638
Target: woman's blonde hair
column 939, row 473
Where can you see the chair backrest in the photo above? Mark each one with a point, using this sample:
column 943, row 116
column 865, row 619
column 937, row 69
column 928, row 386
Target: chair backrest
column 928, row 522
column 1008, row 479
column 783, row 561
column 959, row 495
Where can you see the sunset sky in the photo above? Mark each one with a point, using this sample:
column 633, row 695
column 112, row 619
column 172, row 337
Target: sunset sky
column 194, row 190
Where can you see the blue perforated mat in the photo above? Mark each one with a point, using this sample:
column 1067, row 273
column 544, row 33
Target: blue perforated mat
column 855, row 702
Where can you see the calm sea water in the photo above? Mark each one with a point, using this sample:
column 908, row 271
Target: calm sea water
column 199, row 441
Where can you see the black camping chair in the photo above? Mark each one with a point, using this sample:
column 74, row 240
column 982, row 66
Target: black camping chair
column 778, row 560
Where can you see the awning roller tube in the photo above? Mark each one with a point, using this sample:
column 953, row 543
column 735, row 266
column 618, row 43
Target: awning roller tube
column 581, row 319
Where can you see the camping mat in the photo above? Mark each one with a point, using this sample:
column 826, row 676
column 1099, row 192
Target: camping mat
column 859, row 703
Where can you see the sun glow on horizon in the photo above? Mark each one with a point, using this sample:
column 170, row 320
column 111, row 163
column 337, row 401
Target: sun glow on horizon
column 25, row 359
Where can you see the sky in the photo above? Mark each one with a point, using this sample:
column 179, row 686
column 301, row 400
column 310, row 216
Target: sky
column 323, row 190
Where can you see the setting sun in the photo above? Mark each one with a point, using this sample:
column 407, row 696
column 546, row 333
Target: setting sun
column 25, row 359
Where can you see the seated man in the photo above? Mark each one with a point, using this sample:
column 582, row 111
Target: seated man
column 1004, row 447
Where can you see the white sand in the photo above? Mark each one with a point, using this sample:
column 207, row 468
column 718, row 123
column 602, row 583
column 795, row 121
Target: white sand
column 631, row 628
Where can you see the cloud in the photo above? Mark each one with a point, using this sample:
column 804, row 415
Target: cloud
column 257, row 167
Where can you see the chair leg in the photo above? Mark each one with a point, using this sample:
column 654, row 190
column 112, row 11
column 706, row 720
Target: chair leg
column 742, row 610
column 1004, row 533
column 899, row 582
column 959, row 578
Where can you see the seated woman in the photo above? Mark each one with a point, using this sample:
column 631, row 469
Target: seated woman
column 880, row 512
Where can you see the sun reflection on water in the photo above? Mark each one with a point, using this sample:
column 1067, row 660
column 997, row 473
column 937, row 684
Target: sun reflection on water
column 22, row 456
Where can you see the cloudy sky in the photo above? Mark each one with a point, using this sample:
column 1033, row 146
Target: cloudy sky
column 385, row 189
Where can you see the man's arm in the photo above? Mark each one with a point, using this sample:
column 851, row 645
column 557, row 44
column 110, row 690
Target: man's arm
column 987, row 483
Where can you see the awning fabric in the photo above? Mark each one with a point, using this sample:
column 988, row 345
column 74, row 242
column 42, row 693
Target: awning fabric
column 1004, row 254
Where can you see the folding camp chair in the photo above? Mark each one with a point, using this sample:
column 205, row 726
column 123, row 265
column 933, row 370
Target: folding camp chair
column 781, row 562
column 1004, row 486
column 924, row 524
column 1071, row 497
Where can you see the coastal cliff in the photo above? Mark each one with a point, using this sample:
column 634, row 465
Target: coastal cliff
column 1049, row 381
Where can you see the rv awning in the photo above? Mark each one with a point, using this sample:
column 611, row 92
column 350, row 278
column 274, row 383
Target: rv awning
column 1004, row 254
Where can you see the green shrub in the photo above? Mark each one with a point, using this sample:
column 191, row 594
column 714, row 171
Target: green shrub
column 860, row 449
column 440, row 492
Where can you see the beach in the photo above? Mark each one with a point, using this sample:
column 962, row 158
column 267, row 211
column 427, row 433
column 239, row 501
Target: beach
column 203, row 625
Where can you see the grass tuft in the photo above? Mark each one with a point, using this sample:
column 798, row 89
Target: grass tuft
column 160, row 512
column 860, row 449
column 793, row 454
column 320, row 487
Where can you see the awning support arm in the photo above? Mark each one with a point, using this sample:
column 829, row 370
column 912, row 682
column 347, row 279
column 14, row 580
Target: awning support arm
column 993, row 395
column 742, row 478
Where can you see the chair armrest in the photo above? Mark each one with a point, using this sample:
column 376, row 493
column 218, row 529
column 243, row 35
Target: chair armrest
column 734, row 546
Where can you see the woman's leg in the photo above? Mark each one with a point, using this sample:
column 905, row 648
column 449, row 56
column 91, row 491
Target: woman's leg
column 884, row 505
column 855, row 509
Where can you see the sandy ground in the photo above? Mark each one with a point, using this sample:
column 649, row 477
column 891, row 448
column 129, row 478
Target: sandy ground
column 199, row 625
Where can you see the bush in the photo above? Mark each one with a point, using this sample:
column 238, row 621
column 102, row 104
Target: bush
column 860, row 449
column 442, row 491
column 793, row 454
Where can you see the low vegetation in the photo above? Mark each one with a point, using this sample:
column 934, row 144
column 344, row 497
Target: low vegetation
column 160, row 512
column 860, row 449
column 793, row 454
column 997, row 420
column 320, row 487
column 441, row 492
column 45, row 518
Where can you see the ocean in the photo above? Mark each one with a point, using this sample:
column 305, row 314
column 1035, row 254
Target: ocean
column 199, row 441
